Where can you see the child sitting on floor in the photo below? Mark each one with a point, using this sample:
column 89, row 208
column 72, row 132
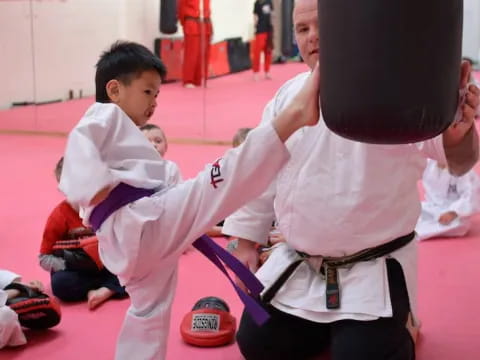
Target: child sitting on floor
column 449, row 202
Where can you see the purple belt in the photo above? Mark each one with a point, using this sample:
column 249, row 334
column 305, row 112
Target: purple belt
column 124, row 194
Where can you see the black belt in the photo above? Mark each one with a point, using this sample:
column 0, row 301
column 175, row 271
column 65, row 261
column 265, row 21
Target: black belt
column 331, row 264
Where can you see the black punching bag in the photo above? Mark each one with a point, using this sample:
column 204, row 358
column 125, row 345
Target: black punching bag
column 168, row 16
column 389, row 69
column 287, row 28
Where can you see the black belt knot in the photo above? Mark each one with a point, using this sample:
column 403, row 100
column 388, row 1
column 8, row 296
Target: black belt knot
column 330, row 267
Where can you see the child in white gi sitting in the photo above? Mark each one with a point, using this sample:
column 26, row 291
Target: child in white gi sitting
column 157, row 138
column 119, row 181
column 449, row 202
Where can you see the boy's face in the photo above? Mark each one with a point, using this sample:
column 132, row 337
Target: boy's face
column 138, row 99
column 158, row 140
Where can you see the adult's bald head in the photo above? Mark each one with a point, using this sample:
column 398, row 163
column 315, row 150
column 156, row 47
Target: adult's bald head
column 305, row 24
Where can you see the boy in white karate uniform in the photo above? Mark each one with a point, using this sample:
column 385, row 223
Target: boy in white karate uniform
column 449, row 203
column 107, row 155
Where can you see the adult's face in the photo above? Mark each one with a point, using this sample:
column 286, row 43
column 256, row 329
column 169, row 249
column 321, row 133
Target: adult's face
column 305, row 22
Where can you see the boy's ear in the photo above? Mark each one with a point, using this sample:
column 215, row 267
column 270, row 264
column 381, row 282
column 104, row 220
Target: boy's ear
column 113, row 90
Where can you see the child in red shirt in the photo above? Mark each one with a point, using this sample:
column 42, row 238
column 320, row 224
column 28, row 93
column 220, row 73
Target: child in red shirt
column 75, row 275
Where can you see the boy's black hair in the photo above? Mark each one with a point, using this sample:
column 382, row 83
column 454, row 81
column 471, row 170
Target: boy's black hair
column 124, row 61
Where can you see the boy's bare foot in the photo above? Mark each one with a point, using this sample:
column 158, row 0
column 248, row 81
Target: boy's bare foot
column 98, row 296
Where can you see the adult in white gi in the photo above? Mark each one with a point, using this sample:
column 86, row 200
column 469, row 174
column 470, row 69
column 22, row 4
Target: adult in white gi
column 142, row 241
column 11, row 333
column 334, row 198
column 449, row 202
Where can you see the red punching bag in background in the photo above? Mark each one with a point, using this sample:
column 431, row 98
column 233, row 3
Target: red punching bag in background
column 389, row 69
